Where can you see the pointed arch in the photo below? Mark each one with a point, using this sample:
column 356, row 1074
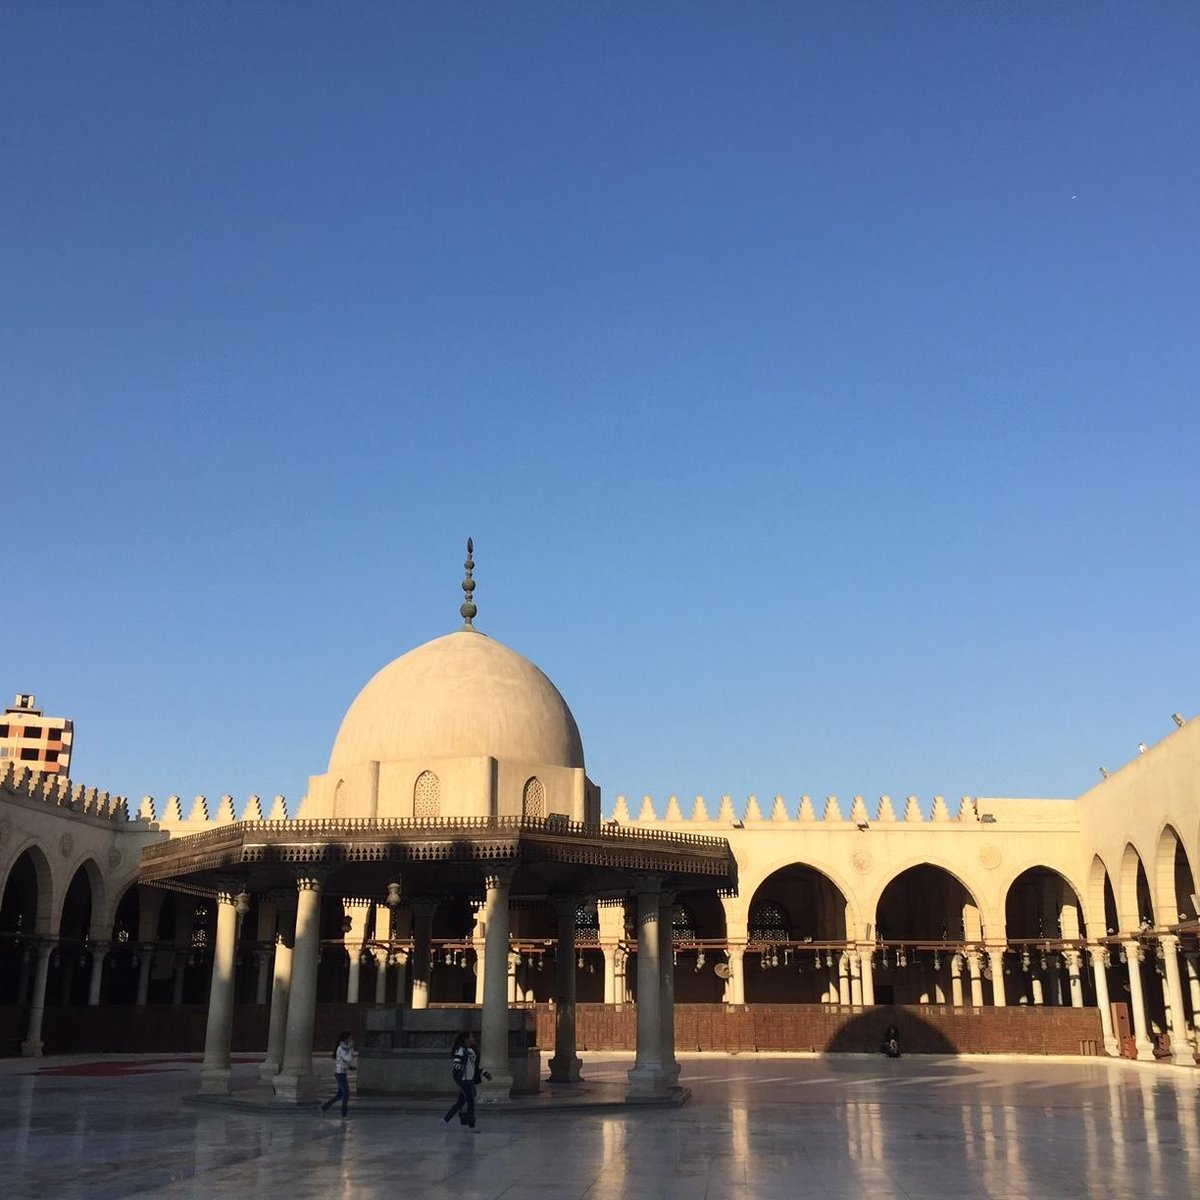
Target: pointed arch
column 1135, row 902
column 533, row 799
column 1174, row 880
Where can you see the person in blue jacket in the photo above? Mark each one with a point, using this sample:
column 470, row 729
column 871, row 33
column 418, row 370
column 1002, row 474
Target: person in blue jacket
column 465, row 1070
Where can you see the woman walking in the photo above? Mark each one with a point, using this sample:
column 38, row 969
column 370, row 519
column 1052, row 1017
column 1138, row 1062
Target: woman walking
column 464, row 1067
column 341, row 1068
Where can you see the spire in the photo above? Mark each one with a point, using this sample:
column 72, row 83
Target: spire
column 468, row 608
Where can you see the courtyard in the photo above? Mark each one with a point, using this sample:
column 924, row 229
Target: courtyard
column 766, row 1127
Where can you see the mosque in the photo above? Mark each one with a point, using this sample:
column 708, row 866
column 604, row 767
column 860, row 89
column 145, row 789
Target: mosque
column 454, row 855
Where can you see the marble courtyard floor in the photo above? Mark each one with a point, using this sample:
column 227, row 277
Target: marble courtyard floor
column 756, row 1127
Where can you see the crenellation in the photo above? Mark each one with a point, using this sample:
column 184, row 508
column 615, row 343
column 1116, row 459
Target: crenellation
column 225, row 814
column 753, row 812
column 725, row 813
column 674, row 812
column 174, row 811
column 700, row 810
column 967, row 811
column 621, row 811
column 146, row 809
column 912, row 810
column 253, row 810
column 833, row 810
column 279, row 810
column 885, row 812
column 858, row 811
column 939, row 811
column 647, row 814
column 779, row 810
column 806, row 811
column 199, row 809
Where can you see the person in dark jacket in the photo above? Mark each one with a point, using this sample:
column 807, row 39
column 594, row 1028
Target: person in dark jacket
column 465, row 1070
column 891, row 1042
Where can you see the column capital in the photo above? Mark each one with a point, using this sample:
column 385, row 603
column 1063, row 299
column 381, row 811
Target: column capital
column 497, row 875
column 1169, row 942
column 424, row 906
column 311, row 878
column 647, row 885
column 566, row 905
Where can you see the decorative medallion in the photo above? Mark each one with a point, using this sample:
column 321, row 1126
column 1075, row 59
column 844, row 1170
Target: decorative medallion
column 114, row 858
column 862, row 861
column 989, row 857
column 66, row 844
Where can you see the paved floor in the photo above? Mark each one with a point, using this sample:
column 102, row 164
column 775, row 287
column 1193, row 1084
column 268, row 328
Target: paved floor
column 760, row 1127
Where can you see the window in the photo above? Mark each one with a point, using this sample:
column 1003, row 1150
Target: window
column 683, row 924
column 51, row 756
column 33, row 731
column 3, row 731
column 587, row 924
column 29, row 753
column 3, row 751
column 768, row 923
column 533, row 801
column 427, row 796
column 55, row 735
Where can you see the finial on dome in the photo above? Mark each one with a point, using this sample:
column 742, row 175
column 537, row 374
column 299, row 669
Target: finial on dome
column 468, row 608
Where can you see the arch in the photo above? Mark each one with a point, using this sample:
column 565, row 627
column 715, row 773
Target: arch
column 427, row 797
column 1174, row 879
column 1035, row 901
column 1101, row 897
column 925, row 924
column 854, row 911
column 798, row 900
column 1133, row 892
column 44, row 885
column 96, row 896
column 940, row 865
column 533, row 799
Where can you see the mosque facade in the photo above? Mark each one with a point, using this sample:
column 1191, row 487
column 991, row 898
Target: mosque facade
column 454, row 852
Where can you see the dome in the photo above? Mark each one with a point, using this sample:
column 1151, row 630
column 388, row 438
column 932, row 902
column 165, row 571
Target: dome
column 459, row 696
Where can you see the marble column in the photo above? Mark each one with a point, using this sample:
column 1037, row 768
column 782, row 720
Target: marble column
column 494, row 1020
column 296, row 1083
column 1036, row 987
column 1074, row 976
column 281, row 981
column 646, row 1077
column 218, row 1036
column 514, row 962
column 380, row 959
column 423, row 908
column 96, row 978
column 1137, row 1004
column 357, row 913
column 956, row 982
column 853, row 968
column 666, row 998
column 1100, row 977
column 610, row 973
column 25, row 976
column 843, row 978
column 31, row 1047
column 179, row 977
column 1181, row 1050
column 145, row 965
column 737, row 976
column 268, row 919
column 565, row 1065
column 1191, row 962
column 975, row 972
column 995, row 953
column 867, row 971
column 478, row 941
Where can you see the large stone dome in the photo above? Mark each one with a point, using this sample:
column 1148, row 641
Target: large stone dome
column 462, row 695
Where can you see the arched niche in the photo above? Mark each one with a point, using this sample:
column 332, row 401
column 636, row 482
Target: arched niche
column 1043, row 921
column 1174, row 880
column 24, row 907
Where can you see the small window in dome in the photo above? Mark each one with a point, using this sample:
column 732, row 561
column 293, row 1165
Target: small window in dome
column 533, row 802
column 427, row 797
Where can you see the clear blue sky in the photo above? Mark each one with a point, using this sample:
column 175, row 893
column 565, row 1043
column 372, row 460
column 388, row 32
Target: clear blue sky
column 819, row 382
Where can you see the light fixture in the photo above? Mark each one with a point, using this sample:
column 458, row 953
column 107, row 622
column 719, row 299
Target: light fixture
column 393, row 896
column 241, row 903
column 1178, row 719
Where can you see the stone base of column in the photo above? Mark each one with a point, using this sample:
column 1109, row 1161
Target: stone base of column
column 32, row 1049
column 268, row 1071
column 566, row 1070
column 295, row 1087
column 497, row 1090
column 647, row 1081
column 1183, row 1055
column 214, row 1081
column 1112, row 1047
column 671, row 1074
column 1145, row 1052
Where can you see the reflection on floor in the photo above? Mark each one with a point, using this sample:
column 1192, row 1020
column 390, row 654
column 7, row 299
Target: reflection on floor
column 757, row 1126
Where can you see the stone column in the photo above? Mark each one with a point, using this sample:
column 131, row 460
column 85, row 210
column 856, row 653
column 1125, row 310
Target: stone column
column 478, row 941
column 25, row 976
column 145, row 965
column 853, row 968
column 975, row 973
column 31, row 1047
column 1100, row 976
column 178, row 977
column 565, row 1065
column 956, row 983
column 96, row 978
column 514, row 961
column 610, row 973
column 843, row 972
column 296, row 1083
column 646, row 1077
column 381, row 980
column 1181, row 1051
column 867, row 971
column 402, row 957
column 1137, row 1004
column 1074, row 976
column 214, row 1071
column 355, row 936
column 995, row 953
column 1191, row 961
column 281, row 982
column 268, row 918
column 423, row 908
column 1036, row 988
column 494, row 1040
column 666, row 998
column 736, row 990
